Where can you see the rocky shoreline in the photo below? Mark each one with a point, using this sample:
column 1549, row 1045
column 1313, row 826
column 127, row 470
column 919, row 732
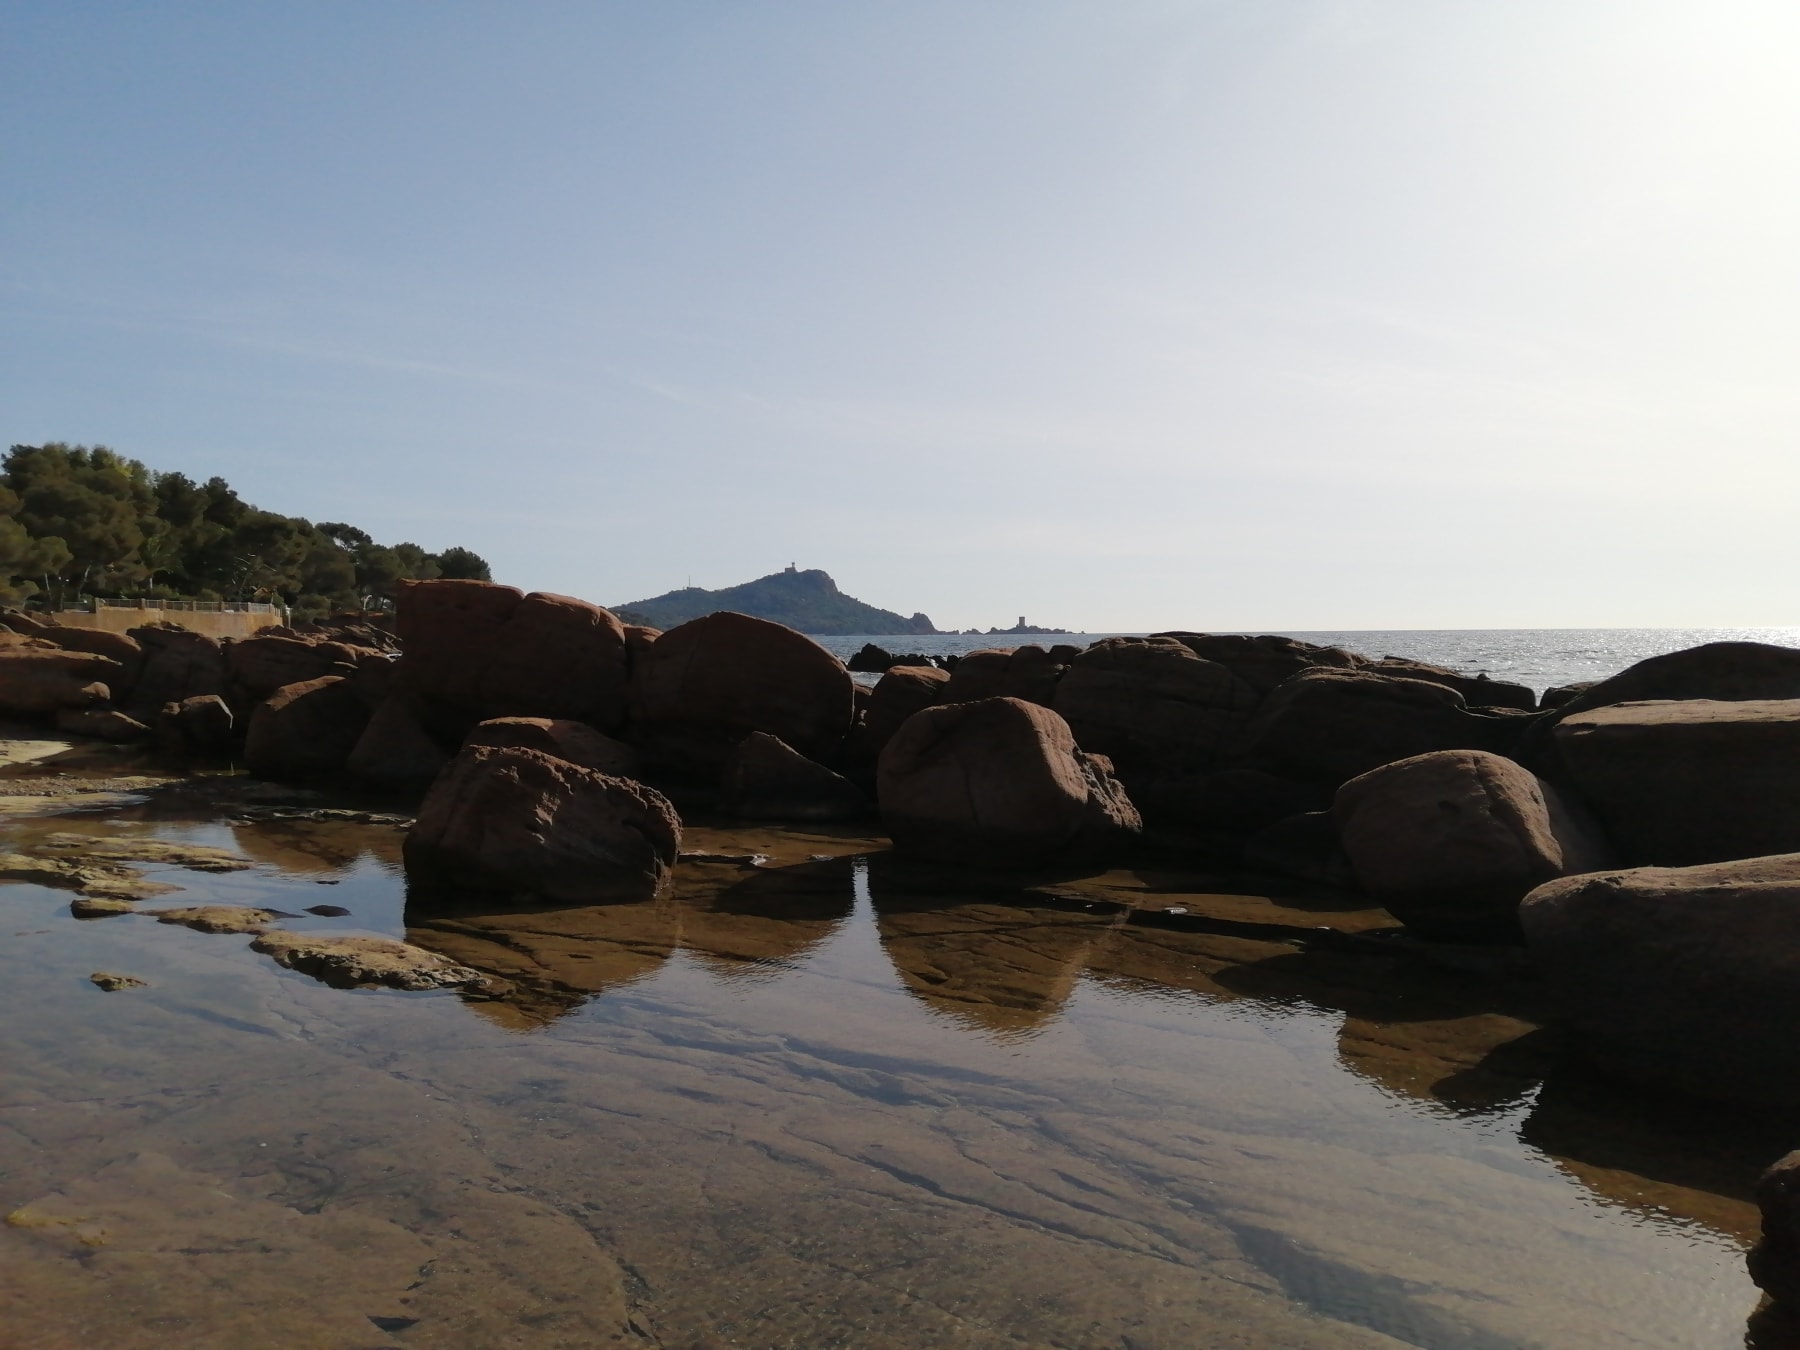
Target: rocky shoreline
column 1639, row 838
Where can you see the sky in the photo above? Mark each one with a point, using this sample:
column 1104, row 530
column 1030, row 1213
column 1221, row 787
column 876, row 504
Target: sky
column 1217, row 314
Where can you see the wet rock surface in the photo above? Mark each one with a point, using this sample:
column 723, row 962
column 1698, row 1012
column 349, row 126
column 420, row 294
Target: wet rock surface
column 350, row 962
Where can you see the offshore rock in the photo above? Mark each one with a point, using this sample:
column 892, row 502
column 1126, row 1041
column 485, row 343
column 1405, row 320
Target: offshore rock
column 999, row 782
column 1450, row 842
column 1679, row 977
column 519, row 820
column 1694, row 781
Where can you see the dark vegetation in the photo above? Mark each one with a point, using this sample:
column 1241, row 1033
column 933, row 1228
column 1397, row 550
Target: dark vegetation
column 809, row 601
column 78, row 521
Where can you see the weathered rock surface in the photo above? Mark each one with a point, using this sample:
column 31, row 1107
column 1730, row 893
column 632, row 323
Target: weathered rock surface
column 1327, row 726
column 1264, row 662
column 562, row 738
column 1450, row 842
column 731, row 674
column 1692, row 781
column 261, row 665
column 102, row 723
column 93, row 878
column 177, row 665
column 110, row 982
column 120, row 647
column 131, row 848
column 38, row 680
column 897, row 695
column 1029, row 672
column 1685, row 977
column 767, row 779
column 1152, row 705
column 1478, row 691
column 348, row 962
column 518, row 820
column 202, row 725
column 99, row 907
column 217, row 918
column 306, row 729
column 395, row 750
column 473, row 650
column 999, row 781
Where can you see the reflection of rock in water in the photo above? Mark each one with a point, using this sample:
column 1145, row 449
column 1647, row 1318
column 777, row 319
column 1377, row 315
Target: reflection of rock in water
column 1656, row 1152
column 557, row 958
column 1004, row 965
column 308, row 846
column 738, row 921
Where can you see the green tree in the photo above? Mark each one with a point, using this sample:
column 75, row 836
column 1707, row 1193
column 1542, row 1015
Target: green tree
column 463, row 565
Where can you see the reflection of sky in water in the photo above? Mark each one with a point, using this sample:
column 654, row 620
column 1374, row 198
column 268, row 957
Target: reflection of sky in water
column 1057, row 1110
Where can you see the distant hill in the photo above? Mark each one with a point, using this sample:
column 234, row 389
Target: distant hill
column 809, row 601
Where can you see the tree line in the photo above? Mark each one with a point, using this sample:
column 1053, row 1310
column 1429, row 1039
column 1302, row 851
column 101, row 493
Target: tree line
column 78, row 521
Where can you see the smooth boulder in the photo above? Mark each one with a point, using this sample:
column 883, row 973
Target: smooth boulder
column 306, row 729
column 1679, row 977
column 574, row 741
column 1029, row 672
column 729, row 675
column 1450, row 842
column 1000, row 781
column 517, row 820
column 767, row 779
column 395, row 750
column 177, row 665
column 1692, row 781
column 39, row 680
column 1328, row 726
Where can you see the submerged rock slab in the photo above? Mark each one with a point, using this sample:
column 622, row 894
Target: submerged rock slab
column 123, row 848
column 217, row 918
column 349, row 962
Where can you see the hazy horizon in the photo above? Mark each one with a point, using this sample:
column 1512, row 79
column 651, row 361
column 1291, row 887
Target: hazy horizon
column 1336, row 315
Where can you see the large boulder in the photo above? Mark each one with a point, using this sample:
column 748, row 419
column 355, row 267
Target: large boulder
column 1684, row 977
column 1028, row 672
column 897, row 695
column 1775, row 1260
column 1450, row 842
column 473, row 651
column 394, row 750
column 306, row 729
column 767, row 779
column 1327, row 726
column 121, row 647
column 1478, row 691
column 261, row 665
column 516, row 820
column 999, row 781
column 202, row 725
column 1689, row 782
column 730, row 674
column 1151, row 705
column 38, row 680
column 562, row 738
column 178, row 665
column 1264, row 662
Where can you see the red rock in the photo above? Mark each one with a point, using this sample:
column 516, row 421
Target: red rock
column 177, row 665
column 999, row 781
column 264, row 664
column 562, row 738
column 1478, row 691
column 897, row 695
column 1328, row 726
column 1691, row 781
column 124, row 649
column 1450, row 842
column 306, row 729
column 395, row 750
column 200, row 725
column 1264, row 662
column 517, row 820
column 37, row 680
column 1151, row 704
column 732, row 674
column 1028, row 672
column 106, row 724
column 766, row 779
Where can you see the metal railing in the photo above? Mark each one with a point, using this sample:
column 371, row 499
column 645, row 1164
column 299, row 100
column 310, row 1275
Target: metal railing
column 187, row 606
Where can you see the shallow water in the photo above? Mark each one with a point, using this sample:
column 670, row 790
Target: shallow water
column 831, row 1101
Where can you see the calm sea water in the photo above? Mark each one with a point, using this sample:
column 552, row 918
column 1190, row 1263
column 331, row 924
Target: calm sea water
column 1539, row 657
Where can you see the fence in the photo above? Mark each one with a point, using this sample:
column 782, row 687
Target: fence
column 189, row 606
column 215, row 618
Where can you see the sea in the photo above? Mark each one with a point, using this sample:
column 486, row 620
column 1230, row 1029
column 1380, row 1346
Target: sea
column 1542, row 658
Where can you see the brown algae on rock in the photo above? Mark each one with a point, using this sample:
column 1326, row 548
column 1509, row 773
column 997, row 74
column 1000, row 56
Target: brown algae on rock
column 218, row 918
column 350, row 962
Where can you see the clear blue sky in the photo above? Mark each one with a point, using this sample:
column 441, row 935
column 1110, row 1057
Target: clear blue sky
column 1267, row 314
